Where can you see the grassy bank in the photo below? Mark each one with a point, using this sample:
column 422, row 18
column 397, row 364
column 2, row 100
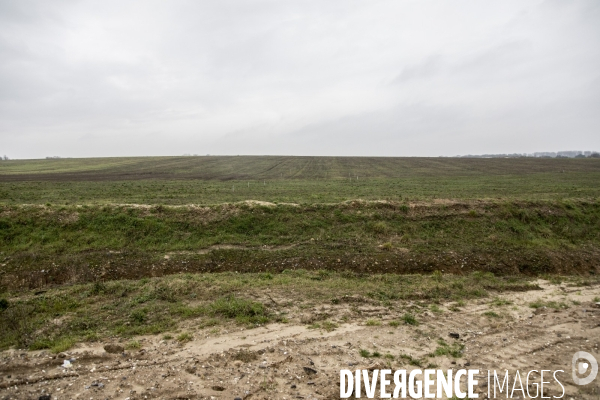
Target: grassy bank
column 52, row 244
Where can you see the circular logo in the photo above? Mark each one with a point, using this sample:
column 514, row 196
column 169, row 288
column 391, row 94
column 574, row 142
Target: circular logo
column 581, row 367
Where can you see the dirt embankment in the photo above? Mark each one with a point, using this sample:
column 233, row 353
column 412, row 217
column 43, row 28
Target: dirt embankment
column 33, row 271
column 44, row 245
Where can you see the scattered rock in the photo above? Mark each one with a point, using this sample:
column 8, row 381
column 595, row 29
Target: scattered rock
column 454, row 335
column 45, row 397
column 191, row 370
column 114, row 348
column 293, row 387
column 218, row 388
column 374, row 366
column 309, row 370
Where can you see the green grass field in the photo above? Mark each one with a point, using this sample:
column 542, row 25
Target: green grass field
column 304, row 180
column 288, row 167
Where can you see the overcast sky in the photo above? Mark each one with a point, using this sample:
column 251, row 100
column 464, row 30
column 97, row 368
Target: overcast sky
column 335, row 77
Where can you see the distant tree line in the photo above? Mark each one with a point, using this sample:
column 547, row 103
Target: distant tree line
column 548, row 154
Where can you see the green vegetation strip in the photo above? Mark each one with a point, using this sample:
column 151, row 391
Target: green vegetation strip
column 61, row 316
column 55, row 244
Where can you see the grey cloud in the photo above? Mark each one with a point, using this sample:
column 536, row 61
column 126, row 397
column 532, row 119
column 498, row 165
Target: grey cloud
column 425, row 69
column 301, row 77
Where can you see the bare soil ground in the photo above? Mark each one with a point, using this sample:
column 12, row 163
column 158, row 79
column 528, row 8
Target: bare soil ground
column 302, row 358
